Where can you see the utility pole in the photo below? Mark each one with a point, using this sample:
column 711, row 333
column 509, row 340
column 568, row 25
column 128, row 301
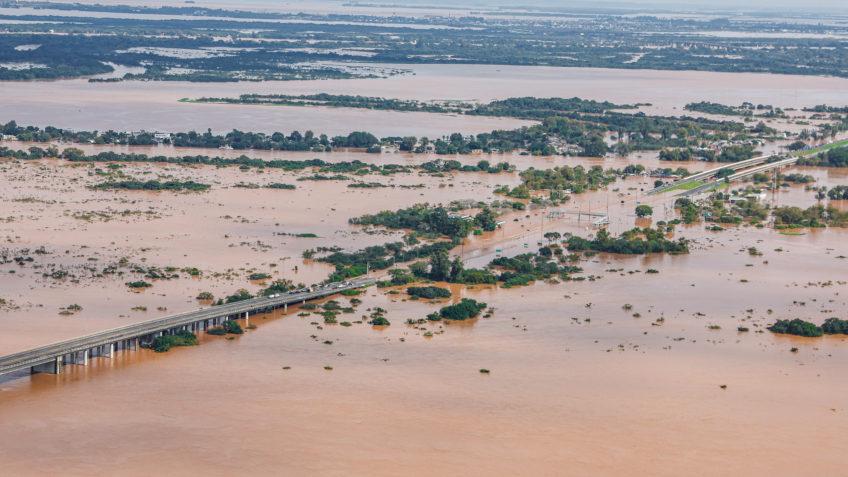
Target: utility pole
column 542, row 231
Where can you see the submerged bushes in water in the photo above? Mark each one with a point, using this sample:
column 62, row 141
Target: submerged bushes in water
column 165, row 342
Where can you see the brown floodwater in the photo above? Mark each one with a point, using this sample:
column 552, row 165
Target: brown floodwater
column 579, row 385
column 154, row 106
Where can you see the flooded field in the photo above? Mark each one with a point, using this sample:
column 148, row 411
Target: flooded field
column 154, row 106
column 579, row 384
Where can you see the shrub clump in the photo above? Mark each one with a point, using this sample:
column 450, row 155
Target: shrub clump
column 835, row 326
column 164, row 343
column 229, row 327
column 233, row 328
column 796, row 327
column 429, row 292
column 465, row 309
column 139, row 284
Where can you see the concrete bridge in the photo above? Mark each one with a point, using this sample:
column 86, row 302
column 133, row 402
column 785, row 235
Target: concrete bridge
column 712, row 172
column 53, row 357
column 740, row 175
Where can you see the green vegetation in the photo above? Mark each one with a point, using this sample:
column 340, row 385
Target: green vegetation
column 541, row 108
column 339, row 101
column 839, row 192
column 716, row 210
column 278, row 185
column 427, row 219
column 834, row 156
column 565, row 178
column 526, row 268
column 736, row 153
column 815, row 216
column 688, row 185
column 429, row 292
column 635, row 241
column 240, row 295
column 796, row 327
column 380, row 321
column 568, row 126
column 644, row 210
column 465, row 309
column 139, row 284
column 323, row 42
column 835, row 326
column 153, row 185
column 228, row 327
column 448, row 165
column 380, row 257
column 164, row 343
column 716, row 108
column 233, row 328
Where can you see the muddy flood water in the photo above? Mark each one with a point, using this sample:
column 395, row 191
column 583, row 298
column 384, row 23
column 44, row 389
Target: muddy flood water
column 155, row 106
column 579, row 384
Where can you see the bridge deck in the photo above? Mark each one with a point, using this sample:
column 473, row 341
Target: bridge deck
column 45, row 354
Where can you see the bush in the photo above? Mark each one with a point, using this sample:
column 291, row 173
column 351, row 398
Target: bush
column 635, row 242
column 795, row 327
column 139, row 284
column 428, row 292
column 163, row 343
column 835, row 326
column 644, row 210
column 475, row 276
column 232, row 328
column 465, row 309
column 239, row 296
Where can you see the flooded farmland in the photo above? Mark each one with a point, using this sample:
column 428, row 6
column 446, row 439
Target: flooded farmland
column 566, row 302
column 575, row 377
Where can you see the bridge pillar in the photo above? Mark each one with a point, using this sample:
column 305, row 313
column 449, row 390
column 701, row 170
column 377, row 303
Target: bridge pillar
column 53, row 367
column 79, row 357
column 285, row 308
column 108, row 350
column 246, row 318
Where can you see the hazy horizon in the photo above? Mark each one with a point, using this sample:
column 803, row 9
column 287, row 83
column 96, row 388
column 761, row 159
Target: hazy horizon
column 701, row 5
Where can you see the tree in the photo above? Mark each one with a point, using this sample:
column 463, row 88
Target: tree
column 440, row 266
column 486, row 220
column 644, row 210
column 73, row 154
column 456, row 269
column 725, row 172
column 552, row 236
column 594, row 145
column 408, row 143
